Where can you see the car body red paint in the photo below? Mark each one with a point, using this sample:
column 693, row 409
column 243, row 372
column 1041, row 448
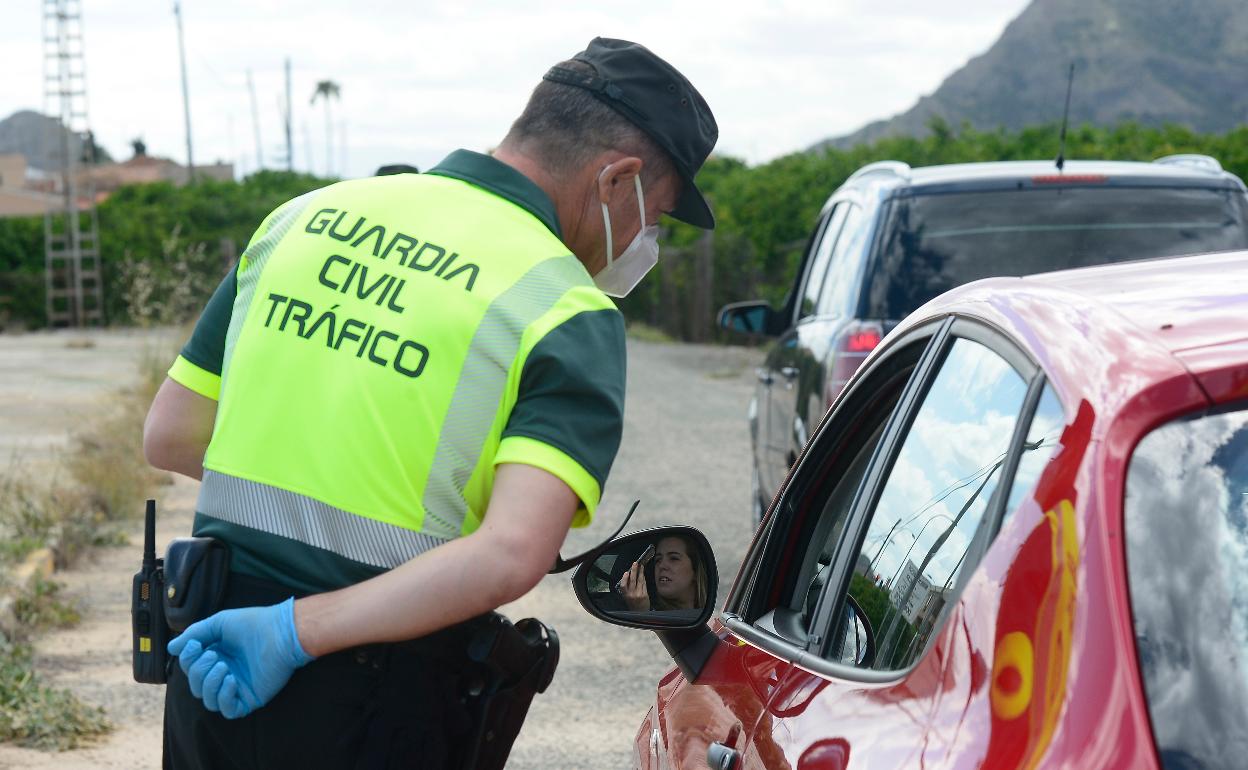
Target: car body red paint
column 1035, row 665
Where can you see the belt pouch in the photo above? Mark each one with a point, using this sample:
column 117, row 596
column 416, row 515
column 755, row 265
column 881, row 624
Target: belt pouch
column 196, row 572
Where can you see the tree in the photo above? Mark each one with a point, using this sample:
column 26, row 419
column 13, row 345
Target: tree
column 327, row 90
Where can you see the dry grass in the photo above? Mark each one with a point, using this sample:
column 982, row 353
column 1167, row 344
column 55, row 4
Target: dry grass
column 99, row 484
column 35, row 715
column 647, row 333
column 99, row 489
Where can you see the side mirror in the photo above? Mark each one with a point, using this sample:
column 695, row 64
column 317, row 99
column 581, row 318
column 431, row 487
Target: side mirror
column 755, row 318
column 662, row 579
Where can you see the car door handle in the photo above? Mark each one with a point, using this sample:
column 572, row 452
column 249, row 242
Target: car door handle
column 764, row 376
column 721, row 757
column 790, row 372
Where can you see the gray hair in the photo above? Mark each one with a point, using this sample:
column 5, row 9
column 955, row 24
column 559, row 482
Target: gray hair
column 564, row 127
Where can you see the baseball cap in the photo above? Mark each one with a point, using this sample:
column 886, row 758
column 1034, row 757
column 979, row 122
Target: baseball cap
column 656, row 98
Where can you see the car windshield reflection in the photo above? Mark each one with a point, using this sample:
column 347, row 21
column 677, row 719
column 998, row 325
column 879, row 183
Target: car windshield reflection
column 1187, row 565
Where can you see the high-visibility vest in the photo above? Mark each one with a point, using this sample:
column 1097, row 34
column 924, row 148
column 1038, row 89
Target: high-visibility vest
column 375, row 350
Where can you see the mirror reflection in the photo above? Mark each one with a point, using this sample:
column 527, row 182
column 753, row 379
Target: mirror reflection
column 856, row 645
column 659, row 579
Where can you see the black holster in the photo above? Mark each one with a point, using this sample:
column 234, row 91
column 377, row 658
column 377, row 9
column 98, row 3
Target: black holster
column 196, row 572
column 520, row 660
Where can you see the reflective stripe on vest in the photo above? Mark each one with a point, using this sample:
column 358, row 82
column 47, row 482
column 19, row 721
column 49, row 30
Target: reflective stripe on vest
column 309, row 521
column 481, row 386
column 251, row 265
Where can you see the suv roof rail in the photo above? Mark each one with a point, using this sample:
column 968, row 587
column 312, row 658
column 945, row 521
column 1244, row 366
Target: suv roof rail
column 1192, row 160
column 893, row 167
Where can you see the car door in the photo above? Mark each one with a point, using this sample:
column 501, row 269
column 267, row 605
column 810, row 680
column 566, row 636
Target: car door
column 724, row 706
column 777, row 609
column 789, row 365
column 922, row 515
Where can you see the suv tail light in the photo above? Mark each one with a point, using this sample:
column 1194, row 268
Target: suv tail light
column 849, row 350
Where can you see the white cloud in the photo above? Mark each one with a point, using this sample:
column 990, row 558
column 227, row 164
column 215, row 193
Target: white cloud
column 425, row 79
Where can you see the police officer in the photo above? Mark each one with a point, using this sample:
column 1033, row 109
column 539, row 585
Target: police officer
column 400, row 400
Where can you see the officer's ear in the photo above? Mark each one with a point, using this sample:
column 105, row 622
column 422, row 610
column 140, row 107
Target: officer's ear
column 616, row 179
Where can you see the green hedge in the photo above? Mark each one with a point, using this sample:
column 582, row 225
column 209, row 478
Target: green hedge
column 177, row 233
column 764, row 212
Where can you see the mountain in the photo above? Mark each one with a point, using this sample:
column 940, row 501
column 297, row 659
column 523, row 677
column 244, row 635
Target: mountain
column 1151, row 61
column 24, row 133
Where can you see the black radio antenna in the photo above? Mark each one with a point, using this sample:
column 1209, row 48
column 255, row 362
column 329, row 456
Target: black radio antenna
column 149, row 535
column 1061, row 149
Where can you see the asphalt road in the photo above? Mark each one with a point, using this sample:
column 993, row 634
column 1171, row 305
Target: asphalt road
column 685, row 455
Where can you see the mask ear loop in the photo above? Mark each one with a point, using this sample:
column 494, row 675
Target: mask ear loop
column 606, row 221
column 641, row 203
column 606, row 218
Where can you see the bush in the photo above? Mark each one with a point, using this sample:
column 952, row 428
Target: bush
column 765, row 213
column 37, row 716
column 101, row 481
column 165, row 248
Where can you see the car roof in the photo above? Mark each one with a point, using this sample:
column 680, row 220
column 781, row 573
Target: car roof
column 1183, row 302
column 1104, row 334
column 892, row 178
column 1031, row 169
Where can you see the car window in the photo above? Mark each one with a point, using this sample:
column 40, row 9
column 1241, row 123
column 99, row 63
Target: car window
column 832, row 518
column 1186, row 526
column 839, row 285
column 785, row 576
column 818, row 262
column 1042, row 437
column 939, row 241
column 934, row 500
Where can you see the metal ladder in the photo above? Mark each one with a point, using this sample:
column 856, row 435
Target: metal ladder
column 73, row 279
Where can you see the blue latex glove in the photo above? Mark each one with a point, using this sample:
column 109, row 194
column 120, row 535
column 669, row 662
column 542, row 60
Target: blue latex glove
column 237, row 660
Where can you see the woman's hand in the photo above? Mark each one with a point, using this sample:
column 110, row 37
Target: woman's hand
column 633, row 588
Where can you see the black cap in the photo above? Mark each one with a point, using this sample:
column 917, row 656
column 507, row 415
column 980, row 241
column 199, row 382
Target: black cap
column 396, row 168
column 659, row 100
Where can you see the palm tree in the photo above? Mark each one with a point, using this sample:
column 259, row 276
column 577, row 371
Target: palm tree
column 327, row 90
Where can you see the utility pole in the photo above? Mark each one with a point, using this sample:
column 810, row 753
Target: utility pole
column 307, row 145
column 186, row 96
column 255, row 121
column 290, row 119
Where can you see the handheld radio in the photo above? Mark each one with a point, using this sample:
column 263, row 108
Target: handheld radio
column 150, row 633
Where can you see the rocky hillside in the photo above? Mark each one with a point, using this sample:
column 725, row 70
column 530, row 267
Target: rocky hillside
column 1153, row 61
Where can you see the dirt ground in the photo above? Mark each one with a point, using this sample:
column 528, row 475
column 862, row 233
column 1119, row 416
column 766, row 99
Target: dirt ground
column 685, row 454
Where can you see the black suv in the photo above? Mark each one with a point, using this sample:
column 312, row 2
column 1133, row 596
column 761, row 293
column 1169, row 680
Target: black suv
column 892, row 237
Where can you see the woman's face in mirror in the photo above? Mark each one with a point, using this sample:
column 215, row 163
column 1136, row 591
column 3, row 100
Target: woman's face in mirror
column 673, row 573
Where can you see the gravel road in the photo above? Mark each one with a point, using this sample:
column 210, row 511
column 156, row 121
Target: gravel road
column 685, row 454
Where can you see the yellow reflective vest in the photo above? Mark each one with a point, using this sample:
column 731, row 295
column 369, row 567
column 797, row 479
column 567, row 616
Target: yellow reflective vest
column 383, row 344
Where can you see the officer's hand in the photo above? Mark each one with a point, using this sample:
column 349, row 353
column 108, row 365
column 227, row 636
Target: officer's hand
column 237, row 660
column 633, row 588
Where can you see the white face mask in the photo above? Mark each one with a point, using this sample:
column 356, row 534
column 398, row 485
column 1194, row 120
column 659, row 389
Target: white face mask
column 621, row 275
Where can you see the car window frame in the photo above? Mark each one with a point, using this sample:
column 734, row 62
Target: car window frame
column 831, row 603
column 808, row 267
column 742, row 601
column 793, row 300
column 862, row 229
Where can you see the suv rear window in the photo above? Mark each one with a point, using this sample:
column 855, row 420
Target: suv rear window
column 1187, row 567
column 938, row 241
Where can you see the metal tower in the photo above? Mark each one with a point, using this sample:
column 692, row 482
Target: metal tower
column 71, row 231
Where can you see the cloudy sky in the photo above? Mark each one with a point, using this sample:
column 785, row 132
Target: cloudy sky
column 418, row 79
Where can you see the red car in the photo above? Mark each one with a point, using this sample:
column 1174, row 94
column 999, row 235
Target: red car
column 1019, row 539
